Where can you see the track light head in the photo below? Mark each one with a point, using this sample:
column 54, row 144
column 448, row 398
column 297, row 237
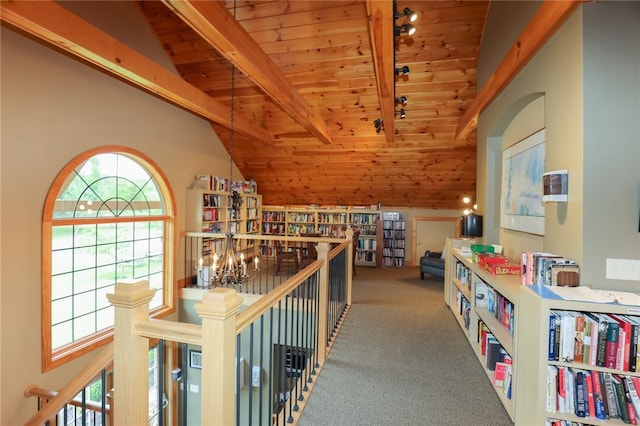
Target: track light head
column 412, row 15
column 379, row 125
column 402, row 113
column 405, row 28
column 402, row 100
column 403, row 70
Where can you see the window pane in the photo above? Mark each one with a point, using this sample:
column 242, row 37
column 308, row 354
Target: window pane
column 84, row 235
column 106, row 254
column 61, row 334
column 62, row 237
column 104, row 318
column 84, row 326
column 61, row 310
column 125, row 232
column 106, row 233
column 61, row 261
column 106, row 275
column 84, row 281
column 84, row 303
column 101, row 297
column 84, row 257
column 61, row 286
column 141, row 230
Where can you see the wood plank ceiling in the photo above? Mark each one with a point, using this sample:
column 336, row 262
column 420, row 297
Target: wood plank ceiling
column 306, row 76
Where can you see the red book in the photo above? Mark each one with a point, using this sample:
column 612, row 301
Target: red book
column 590, row 397
column 625, row 326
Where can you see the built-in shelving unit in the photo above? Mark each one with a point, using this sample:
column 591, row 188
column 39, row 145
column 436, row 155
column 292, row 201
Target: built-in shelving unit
column 487, row 309
column 539, row 308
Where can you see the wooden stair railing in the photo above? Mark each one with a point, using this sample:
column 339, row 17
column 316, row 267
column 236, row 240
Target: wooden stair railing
column 71, row 389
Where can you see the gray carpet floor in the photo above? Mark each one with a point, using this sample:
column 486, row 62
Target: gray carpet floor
column 401, row 359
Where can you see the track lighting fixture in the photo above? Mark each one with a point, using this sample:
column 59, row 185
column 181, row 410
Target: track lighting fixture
column 379, row 125
column 401, row 113
column 402, row 100
column 402, row 70
column 412, row 15
column 405, row 28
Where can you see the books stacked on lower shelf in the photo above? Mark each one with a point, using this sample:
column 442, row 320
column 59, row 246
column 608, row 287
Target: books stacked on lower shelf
column 593, row 394
column 497, row 360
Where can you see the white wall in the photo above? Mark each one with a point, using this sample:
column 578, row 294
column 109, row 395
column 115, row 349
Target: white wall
column 54, row 108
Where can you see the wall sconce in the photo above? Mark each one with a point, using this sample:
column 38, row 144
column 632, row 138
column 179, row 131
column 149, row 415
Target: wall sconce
column 403, row 70
column 411, row 14
column 555, row 186
column 379, row 125
column 404, row 28
column 402, row 100
column 401, row 113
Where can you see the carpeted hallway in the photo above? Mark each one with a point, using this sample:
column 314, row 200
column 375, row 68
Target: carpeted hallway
column 401, row 359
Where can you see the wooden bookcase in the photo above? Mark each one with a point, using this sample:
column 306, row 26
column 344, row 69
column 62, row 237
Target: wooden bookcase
column 463, row 283
column 326, row 221
column 536, row 305
column 209, row 211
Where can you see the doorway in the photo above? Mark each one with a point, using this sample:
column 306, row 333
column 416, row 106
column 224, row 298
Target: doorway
column 430, row 233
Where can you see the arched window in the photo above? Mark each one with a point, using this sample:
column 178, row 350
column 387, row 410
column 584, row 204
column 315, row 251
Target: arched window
column 108, row 217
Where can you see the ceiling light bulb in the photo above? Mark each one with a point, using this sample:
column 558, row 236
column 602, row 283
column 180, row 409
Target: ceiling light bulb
column 466, row 200
column 412, row 15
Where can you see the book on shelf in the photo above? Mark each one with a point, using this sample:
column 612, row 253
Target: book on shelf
column 611, row 344
column 621, row 398
column 598, row 395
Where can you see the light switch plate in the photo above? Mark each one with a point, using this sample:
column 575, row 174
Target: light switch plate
column 623, row 269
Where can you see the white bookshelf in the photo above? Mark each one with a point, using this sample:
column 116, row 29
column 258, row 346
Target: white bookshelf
column 468, row 319
column 536, row 303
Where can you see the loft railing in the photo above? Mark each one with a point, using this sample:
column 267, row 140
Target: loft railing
column 277, row 366
column 52, row 406
column 226, row 350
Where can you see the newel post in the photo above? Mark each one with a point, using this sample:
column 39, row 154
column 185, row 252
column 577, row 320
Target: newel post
column 130, row 301
column 218, row 311
column 323, row 289
column 350, row 263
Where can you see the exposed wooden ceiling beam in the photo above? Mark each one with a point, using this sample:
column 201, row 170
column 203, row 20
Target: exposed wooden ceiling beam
column 549, row 17
column 219, row 28
column 56, row 26
column 382, row 44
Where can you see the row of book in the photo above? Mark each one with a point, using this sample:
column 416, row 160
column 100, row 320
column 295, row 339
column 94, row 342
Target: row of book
column 216, row 183
column 501, row 307
column 597, row 339
column 389, row 262
column 464, row 309
column 393, row 234
column 301, row 217
column 389, row 252
column 549, row 269
column 496, row 358
column 273, row 217
column 463, row 274
column 596, row 394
